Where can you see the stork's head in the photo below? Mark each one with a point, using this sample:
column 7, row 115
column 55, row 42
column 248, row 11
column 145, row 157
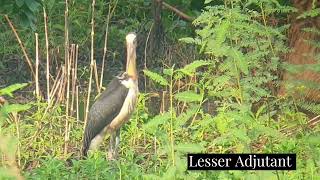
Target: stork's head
column 131, row 41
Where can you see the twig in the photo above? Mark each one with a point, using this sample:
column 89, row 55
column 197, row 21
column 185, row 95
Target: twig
column 314, row 121
column 177, row 11
column 21, row 46
column 145, row 57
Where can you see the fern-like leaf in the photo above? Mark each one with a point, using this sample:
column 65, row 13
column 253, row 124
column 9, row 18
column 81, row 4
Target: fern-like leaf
column 156, row 77
column 10, row 89
column 191, row 68
column 188, row 96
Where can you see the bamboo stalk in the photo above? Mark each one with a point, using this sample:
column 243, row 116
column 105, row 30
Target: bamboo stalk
column 66, row 53
column 68, row 65
column 54, row 89
column 91, row 64
column 37, row 66
column 47, row 53
column 21, row 46
column 61, row 87
column 76, row 78
column 77, row 103
column 110, row 12
column 76, row 62
column 69, row 78
column 105, row 46
column 96, row 75
column 55, row 83
column 73, row 79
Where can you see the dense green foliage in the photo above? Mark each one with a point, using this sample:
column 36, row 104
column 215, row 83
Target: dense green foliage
column 224, row 101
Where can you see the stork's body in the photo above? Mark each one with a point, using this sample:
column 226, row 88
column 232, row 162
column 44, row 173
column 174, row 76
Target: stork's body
column 114, row 106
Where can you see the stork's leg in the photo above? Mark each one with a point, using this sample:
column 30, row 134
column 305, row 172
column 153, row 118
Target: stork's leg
column 112, row 145
column 117, row 142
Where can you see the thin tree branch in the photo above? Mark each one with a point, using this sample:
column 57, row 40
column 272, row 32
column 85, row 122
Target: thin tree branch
column 177, row 11
column 21, row 46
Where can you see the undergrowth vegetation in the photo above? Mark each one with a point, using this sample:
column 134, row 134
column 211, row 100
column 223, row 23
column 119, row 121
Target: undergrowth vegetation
column 224, row 101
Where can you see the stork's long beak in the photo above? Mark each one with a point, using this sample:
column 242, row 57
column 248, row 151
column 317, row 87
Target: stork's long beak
column 131, row 40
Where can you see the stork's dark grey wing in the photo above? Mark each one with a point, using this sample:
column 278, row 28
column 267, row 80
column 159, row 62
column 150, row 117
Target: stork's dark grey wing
column 103, row 111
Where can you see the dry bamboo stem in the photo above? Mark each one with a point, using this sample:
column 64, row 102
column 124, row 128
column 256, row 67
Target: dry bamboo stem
column 75, row 77
column 76, row 62
column 105, row 48
column 77, row 103
column 73, row 85
column 91, row 64
column 55, row 86
column 68, row 65
column 54, row 89
column 66, row 53
column 37, row 66
column 61, row 87
column 21, row 46
column 64, row 84
column 47, row 53
column 110, row 12
column 96, row 75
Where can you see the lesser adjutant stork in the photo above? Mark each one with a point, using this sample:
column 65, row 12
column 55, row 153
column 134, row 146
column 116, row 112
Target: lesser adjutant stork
column 114, row 106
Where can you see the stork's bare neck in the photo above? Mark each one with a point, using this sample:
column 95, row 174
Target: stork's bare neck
column 131, row 41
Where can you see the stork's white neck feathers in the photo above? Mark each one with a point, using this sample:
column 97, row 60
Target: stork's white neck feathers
column 130, row 38
column 131, row 55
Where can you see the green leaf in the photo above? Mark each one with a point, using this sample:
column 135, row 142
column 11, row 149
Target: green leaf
column 207, row 1
column 170, row 173
column 312, row 13
column 221, row 124
column 240, row 60
column 189, row 148
column 191, row 68
column 189, row 40
column 156, row 77
column 184, row 117
column 32, row 5
column 154, row 123
column 9, row 108
column 168, row 72
column 10, row 89
column 188, row 96
column 222, row 30
column 19, row 3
